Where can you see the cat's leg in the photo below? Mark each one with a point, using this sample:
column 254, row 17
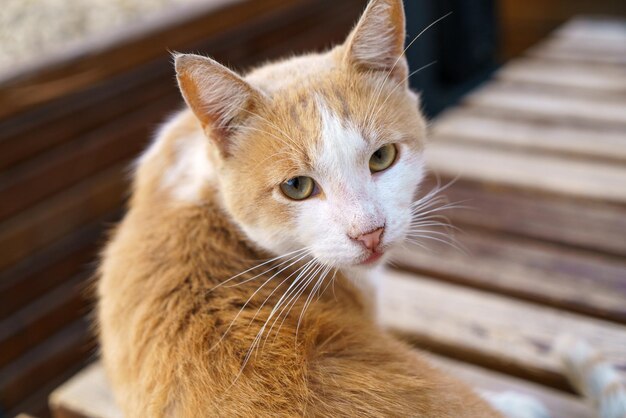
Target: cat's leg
column 515, row 404
column 594, row 377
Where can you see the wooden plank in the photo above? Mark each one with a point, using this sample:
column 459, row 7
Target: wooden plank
column 53, row 219
column 564, row 106
column 117, row 141
column 49, row 125
column 586, row 40
column 552, row 74
column 36, row 403
column 559, row 404
column 40, row 319
column 549, row 274
column 493, row 331
column 579, row 51
column 489, row 205
column 517, row 133
column 586, row 180
column 35, row 368
column 86, row 395
column 602, row 30
column 49, row 267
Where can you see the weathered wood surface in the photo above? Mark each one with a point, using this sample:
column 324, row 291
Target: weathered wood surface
column 540, row 272
column 556, row 218
column 495, row 331
column 87, row 395
column 585, row 40
column 475, row 126
column 587, row 180
column 537, row 102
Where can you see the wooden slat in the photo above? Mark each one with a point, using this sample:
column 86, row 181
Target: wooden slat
column 585, row 40
column 559, row 404
column 46, row 126
column 586, row 180
column 36, row 403
column 35, row 368
column 549, row 274
column 494, row 331
column 47, row 268
column 52, row 172
column 564, row 106
column 579, row 51
column 86, row 395
column 561, row 75
column 51, row 220
column 602, row 30
column 590, row 225
column 37, row 321
column 470, row 125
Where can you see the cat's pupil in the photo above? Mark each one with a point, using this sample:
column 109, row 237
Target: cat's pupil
column 378, row 154
column 295, row 183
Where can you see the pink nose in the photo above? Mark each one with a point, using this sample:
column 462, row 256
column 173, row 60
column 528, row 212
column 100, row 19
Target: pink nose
column 371, row 239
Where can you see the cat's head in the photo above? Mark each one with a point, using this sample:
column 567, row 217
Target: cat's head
column 321, row 151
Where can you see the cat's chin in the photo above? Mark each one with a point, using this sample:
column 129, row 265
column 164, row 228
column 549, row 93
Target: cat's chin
column 373, row 259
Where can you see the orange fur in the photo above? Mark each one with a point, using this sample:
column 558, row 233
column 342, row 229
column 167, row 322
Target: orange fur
column 164, row 326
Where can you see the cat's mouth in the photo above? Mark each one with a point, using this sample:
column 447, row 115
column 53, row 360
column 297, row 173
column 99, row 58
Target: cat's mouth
column 373, row 258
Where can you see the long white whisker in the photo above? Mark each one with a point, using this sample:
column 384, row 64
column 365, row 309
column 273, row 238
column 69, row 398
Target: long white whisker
column 255, row 267
column 309, row 299
column 252, row 296
column 293, row 300
column 379, row 90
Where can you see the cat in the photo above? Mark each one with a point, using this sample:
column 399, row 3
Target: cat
column 238, row 282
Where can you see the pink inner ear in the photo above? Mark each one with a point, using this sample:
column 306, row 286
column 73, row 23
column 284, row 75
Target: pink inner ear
column 219, row 98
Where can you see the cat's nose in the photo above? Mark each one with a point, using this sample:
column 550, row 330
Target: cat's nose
column 371, row 239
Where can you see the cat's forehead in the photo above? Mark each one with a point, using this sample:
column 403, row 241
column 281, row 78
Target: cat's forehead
column 332, row 112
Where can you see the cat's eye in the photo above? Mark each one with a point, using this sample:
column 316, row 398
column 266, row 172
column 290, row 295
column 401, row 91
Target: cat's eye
column 298, row 188
column 383, row 158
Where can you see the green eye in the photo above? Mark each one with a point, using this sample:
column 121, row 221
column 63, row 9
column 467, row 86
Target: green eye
column 298, row 188
column 383, row 158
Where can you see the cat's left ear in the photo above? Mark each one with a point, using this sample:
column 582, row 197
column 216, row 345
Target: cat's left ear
column 219, row 97
column 377, row 41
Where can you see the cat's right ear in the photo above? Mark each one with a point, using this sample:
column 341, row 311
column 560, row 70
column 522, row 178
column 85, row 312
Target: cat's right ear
column 219, row 97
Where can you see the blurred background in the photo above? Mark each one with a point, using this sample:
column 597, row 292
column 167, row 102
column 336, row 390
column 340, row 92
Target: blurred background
column 84, row 83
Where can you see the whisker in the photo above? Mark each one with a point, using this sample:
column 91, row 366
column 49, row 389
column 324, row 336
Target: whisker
column 381, row 85
column 250, row 298
column 291, row 301
column 381, row 107
column 309, row 299
column 255, row 267
column 289, row 295
column 301, row 268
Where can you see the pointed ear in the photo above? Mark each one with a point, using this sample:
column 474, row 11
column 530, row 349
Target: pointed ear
column 218, row 97
column 377, row 41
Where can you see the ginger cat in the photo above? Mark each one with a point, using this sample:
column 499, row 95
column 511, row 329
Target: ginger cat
column 311, row 164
